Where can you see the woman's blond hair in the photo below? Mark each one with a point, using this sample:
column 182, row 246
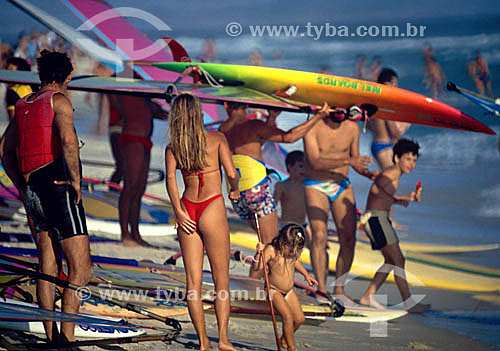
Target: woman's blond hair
column 187, row 133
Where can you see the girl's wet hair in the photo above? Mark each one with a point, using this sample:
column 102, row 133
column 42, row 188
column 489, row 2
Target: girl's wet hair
column 290, row 240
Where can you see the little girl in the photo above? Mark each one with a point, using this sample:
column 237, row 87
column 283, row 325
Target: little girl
column 281, row 257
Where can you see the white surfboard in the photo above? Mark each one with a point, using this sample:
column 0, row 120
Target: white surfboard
column 82, row 330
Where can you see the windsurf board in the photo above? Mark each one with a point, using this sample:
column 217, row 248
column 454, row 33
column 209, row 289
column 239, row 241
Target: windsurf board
column 101, row 210
column 367, row 261
column 28, row 317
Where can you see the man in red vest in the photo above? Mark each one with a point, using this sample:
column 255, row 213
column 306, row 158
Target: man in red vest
column 39, row 152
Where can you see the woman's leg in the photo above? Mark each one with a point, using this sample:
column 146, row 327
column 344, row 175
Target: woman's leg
column 192, row 255
column 213, row 225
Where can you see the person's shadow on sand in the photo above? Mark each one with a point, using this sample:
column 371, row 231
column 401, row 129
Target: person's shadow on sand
column 192, row 343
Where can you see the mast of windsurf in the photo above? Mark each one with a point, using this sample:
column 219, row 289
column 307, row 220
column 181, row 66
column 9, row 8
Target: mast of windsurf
column 266, row 278
column 90, row 290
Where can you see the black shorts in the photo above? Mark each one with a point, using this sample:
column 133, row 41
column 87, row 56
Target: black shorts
column 53, row 207
column 378, row 227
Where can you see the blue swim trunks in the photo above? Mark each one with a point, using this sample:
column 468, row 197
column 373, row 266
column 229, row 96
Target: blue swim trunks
column 379, row 147
column 331, row 189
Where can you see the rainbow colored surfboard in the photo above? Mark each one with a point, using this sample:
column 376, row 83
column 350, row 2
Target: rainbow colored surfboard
column 315, row 88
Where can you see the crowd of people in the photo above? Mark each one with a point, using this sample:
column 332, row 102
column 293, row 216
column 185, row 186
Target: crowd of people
column 46, row 169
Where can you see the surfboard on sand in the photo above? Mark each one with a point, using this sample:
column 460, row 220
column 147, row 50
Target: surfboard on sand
column 256, row 309
column 91, row 305
column 22, row 316
column 430, row 248
column 247, row 294
column 256, row 304
column 367, row 261
column 101, row 210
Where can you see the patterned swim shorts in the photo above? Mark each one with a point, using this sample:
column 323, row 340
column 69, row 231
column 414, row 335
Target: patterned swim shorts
column 255, row 200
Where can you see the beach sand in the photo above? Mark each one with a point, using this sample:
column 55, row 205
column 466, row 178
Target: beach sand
column 406, row 333
column 411, row 332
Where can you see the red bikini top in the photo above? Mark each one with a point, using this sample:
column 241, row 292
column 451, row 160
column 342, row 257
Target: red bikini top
column 200, row 178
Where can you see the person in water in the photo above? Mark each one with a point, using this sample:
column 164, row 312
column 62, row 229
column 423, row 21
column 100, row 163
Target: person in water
column 281, row 257
column 479, row 71
column 200, row 213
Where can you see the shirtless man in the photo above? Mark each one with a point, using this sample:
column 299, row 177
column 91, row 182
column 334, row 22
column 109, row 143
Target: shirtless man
column 137, row 117
column 385, row 133
column 472, row 71
column 245, row 138
column 360, row 67
column 483, row 73
column 378, row 227
column 434, row 76
column 331, row 146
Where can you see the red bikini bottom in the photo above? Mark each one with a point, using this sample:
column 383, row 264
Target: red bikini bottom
column 195, row 209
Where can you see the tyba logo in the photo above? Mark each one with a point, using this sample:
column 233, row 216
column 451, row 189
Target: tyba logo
column 125, row 46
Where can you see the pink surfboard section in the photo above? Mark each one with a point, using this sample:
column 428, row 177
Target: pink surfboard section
column 7, row 189
column 111, row 28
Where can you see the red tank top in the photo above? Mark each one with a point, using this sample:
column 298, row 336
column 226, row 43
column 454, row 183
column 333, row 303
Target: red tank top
column 38, row 139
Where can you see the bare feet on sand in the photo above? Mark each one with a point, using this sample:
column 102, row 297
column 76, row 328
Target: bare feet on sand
column 370, row 301
column 134, row 242
column 130, row 243
column 283, row 343
column 205, row 344
column 343, row 299
column 226, row 346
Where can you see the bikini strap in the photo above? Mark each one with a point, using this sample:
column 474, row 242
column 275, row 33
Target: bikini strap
column 201, row 183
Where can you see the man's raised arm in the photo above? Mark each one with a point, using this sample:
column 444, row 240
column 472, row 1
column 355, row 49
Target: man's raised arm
column 278, row 136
